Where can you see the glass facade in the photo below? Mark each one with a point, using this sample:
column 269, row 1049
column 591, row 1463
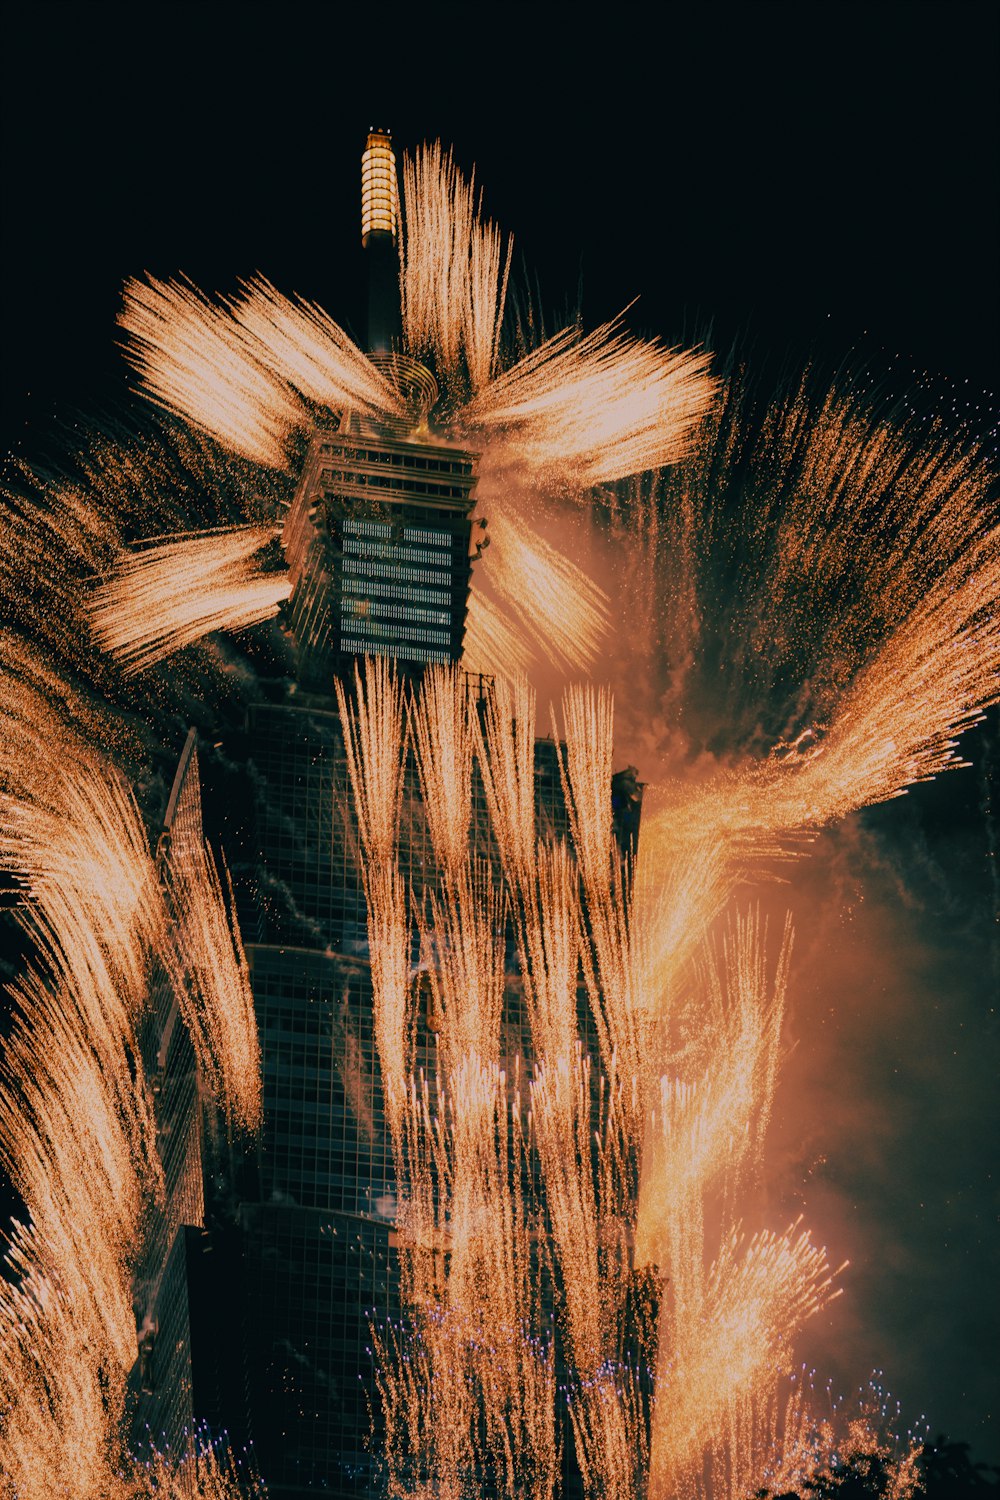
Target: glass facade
column 318, row 1215
column 317, row 1231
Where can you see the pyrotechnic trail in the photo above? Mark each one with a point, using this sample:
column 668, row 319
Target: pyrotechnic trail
column 577, row 412
column 548, row 923
column 706, row 1117
column 462, row 946
column 374, row 728
column 165, row 596
column 558, row 612
column 53, row 1387
column 506, row 752
column 611, row 959
column 720, row 1368
column 207, row 967
column 441, row 723
column 778, row 561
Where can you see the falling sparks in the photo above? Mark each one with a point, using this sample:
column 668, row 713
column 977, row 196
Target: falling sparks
column 730, row 1348
column 551, row 607
column 494, row 642
column 444, row 742
column 211, row 978
column 77, row 1122
column 484, row 1161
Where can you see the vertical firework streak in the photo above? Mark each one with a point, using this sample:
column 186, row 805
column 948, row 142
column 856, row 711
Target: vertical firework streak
column 453, row 273
column 490, row 1287
column 465, row 1224
column 375, row 748
column 585, row 766
column 468, row 1382
column 702, row 1145
column 453, row 1381
column 207, row 967
column 77, row 1124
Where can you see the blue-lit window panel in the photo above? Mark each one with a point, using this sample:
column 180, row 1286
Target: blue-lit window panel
column 410, row 653
column 400, row 552
column 382, row 609
column 431, row 538
column 368, row 528
column 373, row 588
column 387, row 532
column 372, row 568
column 363, row 627
column 382, row 511
column 405, row 652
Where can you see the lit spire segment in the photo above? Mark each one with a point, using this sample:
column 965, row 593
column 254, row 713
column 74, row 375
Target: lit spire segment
column 379, row 196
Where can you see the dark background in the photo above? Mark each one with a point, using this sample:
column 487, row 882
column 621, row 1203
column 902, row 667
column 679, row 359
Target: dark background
column 817, row 181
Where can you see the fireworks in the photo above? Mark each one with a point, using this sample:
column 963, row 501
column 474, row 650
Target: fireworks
column 166, row 596
column 729, row 1350
column 213, row 984
column 454, row 270
column 468, row 1218
column 192, row 362
column 571, row 1169
column 587, row 410
column 251, row 370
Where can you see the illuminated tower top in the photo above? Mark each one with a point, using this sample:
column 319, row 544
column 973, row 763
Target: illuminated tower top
column 379, row 195
column 379, row 228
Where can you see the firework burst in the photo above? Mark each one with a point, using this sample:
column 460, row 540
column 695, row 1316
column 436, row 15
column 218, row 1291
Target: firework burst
column 572, row 1265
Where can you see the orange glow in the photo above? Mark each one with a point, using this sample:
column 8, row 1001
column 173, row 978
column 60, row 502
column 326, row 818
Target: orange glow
column 77, row 1128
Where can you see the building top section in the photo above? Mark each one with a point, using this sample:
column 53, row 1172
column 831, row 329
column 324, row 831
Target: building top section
column 379, row 194
column 371, row 470
column 377, row 542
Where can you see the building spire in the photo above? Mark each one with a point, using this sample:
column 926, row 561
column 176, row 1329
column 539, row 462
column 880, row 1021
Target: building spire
column 379, row 229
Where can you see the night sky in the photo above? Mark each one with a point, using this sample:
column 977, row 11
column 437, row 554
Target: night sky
column 815, row 182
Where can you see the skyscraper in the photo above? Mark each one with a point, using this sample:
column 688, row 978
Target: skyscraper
column 262, row 1275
